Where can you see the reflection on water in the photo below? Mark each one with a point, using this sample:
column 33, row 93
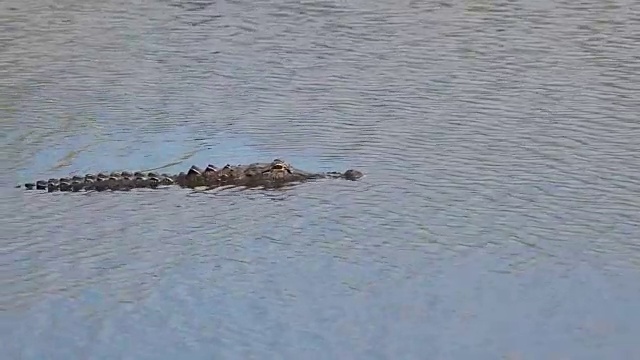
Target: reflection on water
column 498, row 217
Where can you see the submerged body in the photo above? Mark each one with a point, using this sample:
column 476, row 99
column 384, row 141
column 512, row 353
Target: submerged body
column 273, row 174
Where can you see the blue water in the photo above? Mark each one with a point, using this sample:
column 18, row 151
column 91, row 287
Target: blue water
column 498, row 217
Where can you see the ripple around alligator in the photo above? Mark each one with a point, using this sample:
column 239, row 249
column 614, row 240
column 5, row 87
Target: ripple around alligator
column 499, row 143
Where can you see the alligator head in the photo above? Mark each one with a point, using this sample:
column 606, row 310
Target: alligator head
column 279, row 170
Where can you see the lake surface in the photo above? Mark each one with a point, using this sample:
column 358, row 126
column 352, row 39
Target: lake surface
column 499, row 217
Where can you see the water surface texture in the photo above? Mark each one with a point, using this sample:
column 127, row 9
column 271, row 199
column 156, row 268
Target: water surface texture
column 499, row 217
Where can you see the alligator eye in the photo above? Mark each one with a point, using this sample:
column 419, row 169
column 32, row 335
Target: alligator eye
column 277, row 167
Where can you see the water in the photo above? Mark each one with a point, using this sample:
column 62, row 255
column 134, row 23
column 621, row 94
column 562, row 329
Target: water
column 498, row 219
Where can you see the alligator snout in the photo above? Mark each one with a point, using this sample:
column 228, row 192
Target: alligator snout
column 353, row 174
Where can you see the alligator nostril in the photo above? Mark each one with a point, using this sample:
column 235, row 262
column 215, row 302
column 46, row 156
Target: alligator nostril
column 352, row 174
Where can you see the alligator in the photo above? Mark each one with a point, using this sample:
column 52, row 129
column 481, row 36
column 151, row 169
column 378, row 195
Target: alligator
column 272, row 174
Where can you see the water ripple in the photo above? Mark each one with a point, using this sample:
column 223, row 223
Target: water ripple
column 499, row 143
